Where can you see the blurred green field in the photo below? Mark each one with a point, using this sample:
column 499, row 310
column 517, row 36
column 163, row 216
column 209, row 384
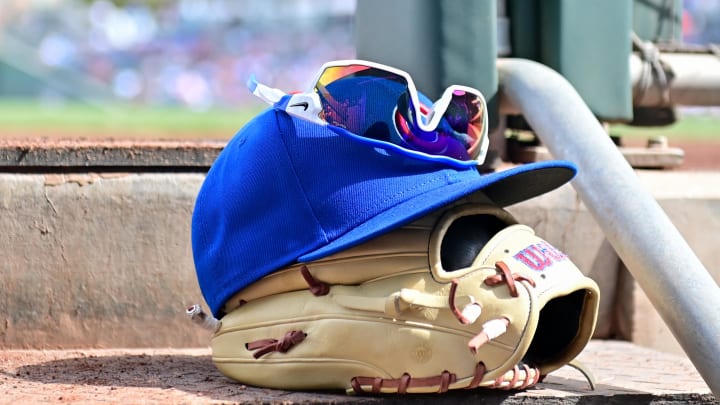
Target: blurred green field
column 689, row 127
column 31, row 119
column 19, row 119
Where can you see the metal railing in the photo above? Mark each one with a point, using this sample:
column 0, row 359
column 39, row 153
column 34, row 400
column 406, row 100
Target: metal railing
column 669, row 272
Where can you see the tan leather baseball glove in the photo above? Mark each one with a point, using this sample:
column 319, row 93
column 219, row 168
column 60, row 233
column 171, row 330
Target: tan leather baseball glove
column 461, row 298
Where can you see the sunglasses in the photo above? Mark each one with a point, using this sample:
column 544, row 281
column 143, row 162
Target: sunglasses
column 380, row 105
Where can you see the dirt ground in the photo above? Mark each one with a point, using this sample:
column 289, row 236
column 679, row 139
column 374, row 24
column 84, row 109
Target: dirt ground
column 624, row 372
column 699, row 154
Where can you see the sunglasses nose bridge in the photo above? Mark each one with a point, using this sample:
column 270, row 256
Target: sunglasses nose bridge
column 426, row 117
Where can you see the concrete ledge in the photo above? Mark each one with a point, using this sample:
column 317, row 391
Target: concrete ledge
column 109, row 155
column 92, row 260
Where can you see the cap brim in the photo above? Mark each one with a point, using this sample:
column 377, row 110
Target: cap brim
column 504, row 188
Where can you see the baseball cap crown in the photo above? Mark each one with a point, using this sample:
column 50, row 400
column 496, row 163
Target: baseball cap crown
column 285, row 190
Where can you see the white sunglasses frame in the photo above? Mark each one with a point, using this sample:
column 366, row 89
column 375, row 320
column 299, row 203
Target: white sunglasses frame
column 308, row 105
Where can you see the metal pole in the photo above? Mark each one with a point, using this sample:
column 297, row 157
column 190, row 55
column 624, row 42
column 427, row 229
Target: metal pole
column 678, row 285
column 692, row 79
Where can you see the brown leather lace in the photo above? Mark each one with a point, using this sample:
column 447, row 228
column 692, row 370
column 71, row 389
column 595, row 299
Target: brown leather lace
column 507, row 276
column 443, row 381
column 530, row 380
column 478, row 376
column 265, row 346
column 451, row 302
column 317, row 287
column 401, row 385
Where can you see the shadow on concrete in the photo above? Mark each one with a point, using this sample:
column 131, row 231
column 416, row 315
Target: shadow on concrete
column 198, row 377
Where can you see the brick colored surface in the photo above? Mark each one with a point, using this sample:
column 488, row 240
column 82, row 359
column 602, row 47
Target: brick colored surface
column 625, row 373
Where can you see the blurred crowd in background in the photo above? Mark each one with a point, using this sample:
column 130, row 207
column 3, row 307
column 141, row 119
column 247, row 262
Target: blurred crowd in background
column 701, row 22
column 196, row 53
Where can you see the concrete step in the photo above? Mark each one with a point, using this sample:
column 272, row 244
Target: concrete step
column 104, row 259
column 625, row 374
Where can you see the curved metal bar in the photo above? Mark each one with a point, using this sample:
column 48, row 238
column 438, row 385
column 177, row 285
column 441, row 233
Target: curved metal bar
column 672, row 276
column 695, row 80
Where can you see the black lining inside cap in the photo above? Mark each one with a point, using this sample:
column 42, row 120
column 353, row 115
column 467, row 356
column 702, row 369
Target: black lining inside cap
column 526, row 185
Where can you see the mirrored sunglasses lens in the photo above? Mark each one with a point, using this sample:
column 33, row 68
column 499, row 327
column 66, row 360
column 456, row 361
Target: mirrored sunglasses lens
column 458, row 133
column 465, row 116
column 360, row 98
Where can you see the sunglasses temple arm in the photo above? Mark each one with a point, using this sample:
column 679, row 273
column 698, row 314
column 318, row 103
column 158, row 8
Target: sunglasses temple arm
column 265, row 93
column 302, row 105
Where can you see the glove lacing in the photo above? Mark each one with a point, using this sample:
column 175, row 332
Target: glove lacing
column 490, row 330
column 470, row 313
column 494, row 327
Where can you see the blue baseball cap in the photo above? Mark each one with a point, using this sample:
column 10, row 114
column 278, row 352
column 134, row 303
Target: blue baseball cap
column 285, row 190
